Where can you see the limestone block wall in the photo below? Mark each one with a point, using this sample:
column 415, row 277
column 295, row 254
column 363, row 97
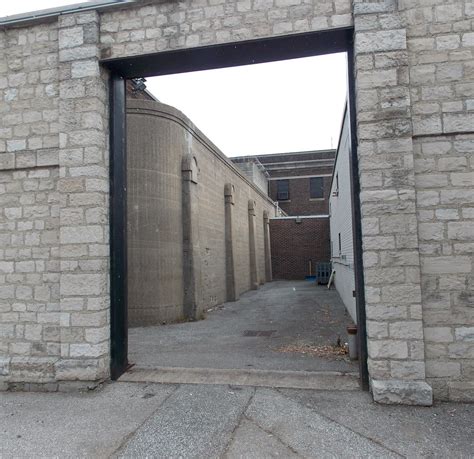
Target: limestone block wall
column 54, row 309
column 440, row 45
column 29, row 204
column 166, row 25
column 159, row 137
column 413, row 85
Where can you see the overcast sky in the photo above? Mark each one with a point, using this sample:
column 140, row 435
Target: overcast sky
column 256, row 109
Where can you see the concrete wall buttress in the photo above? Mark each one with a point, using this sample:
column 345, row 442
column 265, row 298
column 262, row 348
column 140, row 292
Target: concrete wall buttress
column 191, row 247
column 268, row 253
column 252, row 247
column 231, row 290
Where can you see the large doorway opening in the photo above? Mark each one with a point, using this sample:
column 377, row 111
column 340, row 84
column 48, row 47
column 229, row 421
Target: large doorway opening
column 221, row 56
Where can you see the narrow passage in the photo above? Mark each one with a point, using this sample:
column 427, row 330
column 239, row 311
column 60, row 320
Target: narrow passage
column 285, row 325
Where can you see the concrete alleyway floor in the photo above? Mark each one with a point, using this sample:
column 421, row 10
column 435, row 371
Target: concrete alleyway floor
column 288, row 318
column 135, row 420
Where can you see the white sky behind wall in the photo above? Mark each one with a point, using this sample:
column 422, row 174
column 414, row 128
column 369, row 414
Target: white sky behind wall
column 256, row 109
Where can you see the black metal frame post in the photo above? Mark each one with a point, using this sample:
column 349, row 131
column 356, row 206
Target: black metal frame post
column 357, row 229
column 118, row 228
column 205, row 58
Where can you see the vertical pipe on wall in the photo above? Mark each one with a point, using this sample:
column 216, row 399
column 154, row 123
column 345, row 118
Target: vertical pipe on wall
column 231, row 291
column 267, row 249
column 252, row 246
column 191, row 250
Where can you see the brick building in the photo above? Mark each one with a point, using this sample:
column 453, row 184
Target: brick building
column 298, row 245
column 300, row 183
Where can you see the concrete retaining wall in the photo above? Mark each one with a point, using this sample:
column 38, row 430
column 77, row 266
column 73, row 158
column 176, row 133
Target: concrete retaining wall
column 159, row 139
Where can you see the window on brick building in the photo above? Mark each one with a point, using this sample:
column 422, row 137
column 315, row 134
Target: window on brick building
column 316, row 187
column 283, row 190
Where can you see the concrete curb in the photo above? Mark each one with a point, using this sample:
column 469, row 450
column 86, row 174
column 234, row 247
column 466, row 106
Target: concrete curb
column 320, row 380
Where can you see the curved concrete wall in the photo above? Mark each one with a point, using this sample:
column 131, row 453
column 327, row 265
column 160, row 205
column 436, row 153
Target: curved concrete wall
column 159, row 137
column 154, row 218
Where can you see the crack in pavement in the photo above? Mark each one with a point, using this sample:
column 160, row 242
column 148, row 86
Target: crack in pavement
column 274, row 435
column 239, row 421
column 325, row 416
column 116, row 453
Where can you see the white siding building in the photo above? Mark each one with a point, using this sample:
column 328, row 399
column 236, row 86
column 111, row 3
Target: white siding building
column 340, row 210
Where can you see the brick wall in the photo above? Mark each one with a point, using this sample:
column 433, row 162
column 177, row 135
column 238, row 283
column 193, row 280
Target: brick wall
column 300, row 202
column 295, row 244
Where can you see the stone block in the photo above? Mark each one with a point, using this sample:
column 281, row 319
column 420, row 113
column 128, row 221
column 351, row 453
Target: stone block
column 458, row 122
column 448, row 42
column 406, row 330
column 448, row 13
column 377, row 78
column 379, row 368
column 78, row 369
column 431, row 231
column 387, row 349
column 88, row 350
column 461, row 231
column 447, row 214
column 461, row 391
column 377, row 330
column 401, row 294
column 383, row 276
column 71, row 37
column 16, row 145
column 462, row 179
column 382, row 6
column 399, row 392
column 378, row 242
column 384, row 40
column 458, row 196
column 442, row 369
column 83, row 69
column 81, row 234
column 464, row 334
column 407, row 370
column 446, row 265
column 83, row 284
column 438, row 334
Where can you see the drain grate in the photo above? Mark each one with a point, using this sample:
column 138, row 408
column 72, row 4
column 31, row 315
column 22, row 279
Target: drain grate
column 259, row 332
